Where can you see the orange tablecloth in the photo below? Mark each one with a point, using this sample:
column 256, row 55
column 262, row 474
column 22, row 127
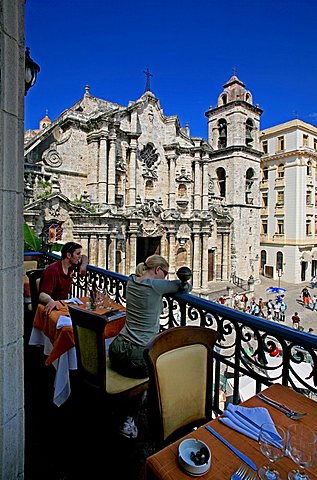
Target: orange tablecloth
column 164, row 464
column 62, row 339
column 26, row 286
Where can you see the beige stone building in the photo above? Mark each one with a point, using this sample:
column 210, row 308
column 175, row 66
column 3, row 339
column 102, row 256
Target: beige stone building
column 129, row 181
column 289, row 201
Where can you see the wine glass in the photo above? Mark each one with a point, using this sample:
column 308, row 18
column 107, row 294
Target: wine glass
column 100, row 298
column 272, row 442
column 302, row 447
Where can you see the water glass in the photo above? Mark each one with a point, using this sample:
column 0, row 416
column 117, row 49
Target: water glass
column 272, row 444
column 302, row 447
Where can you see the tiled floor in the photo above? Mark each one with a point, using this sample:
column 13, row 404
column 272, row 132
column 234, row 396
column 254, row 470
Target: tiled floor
column 80, row 439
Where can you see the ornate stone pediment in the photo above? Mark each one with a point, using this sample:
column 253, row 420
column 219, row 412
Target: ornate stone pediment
column 150, row 228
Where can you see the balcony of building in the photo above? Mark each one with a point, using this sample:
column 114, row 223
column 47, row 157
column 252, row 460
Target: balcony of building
column 80, row 440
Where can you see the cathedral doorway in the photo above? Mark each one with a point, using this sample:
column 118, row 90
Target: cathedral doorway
column 147, row 246
column 211, row 261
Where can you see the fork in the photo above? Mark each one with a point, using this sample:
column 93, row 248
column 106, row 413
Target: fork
column 283, row 408
column 244, row 473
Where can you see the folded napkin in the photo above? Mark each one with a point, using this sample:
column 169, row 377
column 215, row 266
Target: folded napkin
column 74, row 300
column 249, row 426
column 63, row 321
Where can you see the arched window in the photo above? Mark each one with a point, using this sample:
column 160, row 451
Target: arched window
column 279, row 261
column 221, row 175
column 182, row 190
column 149, row 189
column 248, row 97
column 248, row 131
column 224, row 99
column 222, row 128
column 280, row 171
column 263, row 260
column 249, row 179
column 309, row 168
column 265, row 174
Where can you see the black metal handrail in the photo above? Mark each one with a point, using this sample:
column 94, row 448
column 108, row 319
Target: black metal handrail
column 245, row 342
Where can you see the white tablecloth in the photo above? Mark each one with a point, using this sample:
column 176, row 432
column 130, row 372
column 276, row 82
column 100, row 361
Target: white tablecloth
column 63, row 364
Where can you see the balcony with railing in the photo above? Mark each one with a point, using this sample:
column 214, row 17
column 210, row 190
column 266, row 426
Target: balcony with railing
column 245, row 342
column 242, row 366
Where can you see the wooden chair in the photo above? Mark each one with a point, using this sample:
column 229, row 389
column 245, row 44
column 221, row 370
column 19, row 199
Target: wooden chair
column 180, row 380
column 92, row 362
column 34, row 279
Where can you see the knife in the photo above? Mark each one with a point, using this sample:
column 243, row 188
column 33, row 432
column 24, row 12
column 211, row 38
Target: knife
column 256, row 425
column 232, row 448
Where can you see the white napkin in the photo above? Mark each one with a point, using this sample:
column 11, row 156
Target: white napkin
column 258, row 415
column 74, row 300
column 63, row 321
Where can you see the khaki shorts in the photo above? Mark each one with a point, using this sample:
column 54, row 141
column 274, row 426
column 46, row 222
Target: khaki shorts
column 127, row 358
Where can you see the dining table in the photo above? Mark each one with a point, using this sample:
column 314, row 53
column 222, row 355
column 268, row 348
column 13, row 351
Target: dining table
column 59, row 343
column 164, row 464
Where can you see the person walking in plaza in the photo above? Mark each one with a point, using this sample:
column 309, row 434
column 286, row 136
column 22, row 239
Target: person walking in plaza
column 296, row 321
column 314, row 302
column 277, row 310
column 306, row 296
column 261, row 307
column 313, row 281
column 283, row 308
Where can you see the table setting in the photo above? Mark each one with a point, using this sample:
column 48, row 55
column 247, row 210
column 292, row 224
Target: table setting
column 255, row 439
column 55, row 333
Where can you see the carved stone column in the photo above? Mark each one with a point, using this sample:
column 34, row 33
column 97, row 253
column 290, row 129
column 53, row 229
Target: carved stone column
column 92, row 180
column 112, row 252
column 132, row 173
column 112, row 169
column 205, row 183
column 102, row 170
column 102, row 251
column 172, row 162
column 204, row 259
column 93, row 254
column 197, row 185
column 132, row 250
column 196, row 258
column 172, row 253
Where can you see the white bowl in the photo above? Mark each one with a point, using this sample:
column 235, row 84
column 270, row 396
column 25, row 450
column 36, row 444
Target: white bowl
column 185, row 449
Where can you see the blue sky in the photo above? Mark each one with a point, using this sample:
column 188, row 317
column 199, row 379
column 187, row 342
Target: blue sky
column 190, row 47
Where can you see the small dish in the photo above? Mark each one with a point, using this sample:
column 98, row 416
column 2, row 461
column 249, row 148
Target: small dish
column 189, row 447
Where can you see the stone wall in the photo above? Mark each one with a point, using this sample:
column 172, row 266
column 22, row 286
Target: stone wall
column 11, row 234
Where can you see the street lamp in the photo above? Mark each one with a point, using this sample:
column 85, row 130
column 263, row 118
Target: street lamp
column 31, row 71
column 279, row 274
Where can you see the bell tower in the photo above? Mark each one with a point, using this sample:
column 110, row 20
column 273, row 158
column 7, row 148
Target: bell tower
column 233, row 133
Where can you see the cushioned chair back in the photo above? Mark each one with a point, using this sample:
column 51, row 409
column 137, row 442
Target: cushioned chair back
column 34, row 279
column 88, row 328
column 180, row 365
column 29, row 265
column 93, row 365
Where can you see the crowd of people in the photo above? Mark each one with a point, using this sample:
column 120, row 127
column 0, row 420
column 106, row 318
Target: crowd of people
column 272, row 309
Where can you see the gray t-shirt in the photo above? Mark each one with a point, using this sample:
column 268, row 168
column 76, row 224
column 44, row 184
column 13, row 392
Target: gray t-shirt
column 144, row 307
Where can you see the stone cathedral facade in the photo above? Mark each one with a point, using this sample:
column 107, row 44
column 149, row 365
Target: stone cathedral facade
column 127, row 182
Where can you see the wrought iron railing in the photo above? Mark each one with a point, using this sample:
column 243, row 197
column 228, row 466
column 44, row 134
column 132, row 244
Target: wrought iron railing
column 243, row 361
